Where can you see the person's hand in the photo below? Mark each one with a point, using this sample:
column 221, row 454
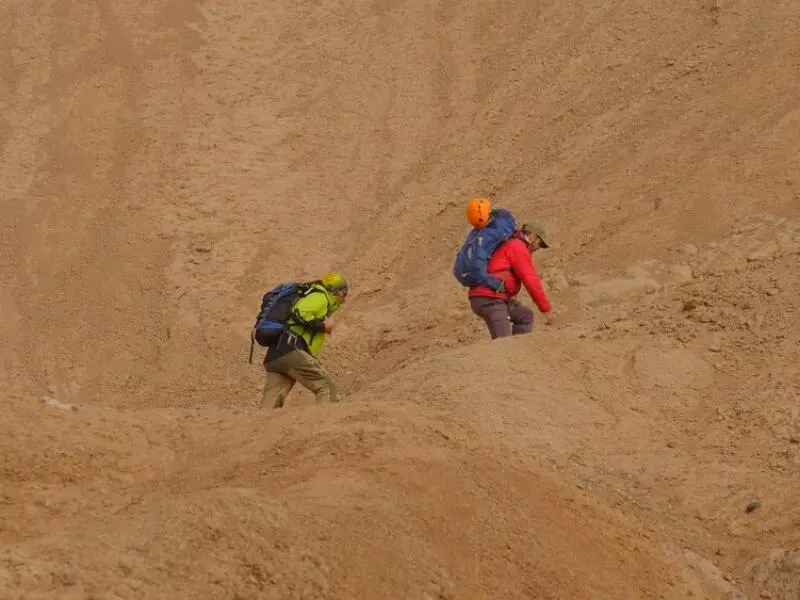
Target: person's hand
column 549, row 318
column 330, row 325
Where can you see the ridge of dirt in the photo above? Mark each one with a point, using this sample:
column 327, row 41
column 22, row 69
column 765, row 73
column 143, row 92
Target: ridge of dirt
column 305, row 505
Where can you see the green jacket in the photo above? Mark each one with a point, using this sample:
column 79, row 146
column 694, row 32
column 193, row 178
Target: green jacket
column 308, row 314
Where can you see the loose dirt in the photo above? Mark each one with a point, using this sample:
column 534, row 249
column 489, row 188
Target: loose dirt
column 164, row 163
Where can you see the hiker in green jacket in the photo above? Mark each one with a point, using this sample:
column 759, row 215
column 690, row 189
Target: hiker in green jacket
column 293, row 357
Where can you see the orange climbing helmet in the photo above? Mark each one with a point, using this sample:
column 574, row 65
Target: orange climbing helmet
column 478, row 210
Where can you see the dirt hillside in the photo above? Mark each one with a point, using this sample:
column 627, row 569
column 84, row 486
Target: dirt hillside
column 163, row 163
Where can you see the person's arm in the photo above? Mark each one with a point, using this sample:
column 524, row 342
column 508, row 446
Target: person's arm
column 312, row 311
column 522, row 264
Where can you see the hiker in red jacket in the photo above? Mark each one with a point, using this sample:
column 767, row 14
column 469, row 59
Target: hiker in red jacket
column 512, row 263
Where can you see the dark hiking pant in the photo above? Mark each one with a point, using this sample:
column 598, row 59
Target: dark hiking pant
column 296, row 366
column 503, row 317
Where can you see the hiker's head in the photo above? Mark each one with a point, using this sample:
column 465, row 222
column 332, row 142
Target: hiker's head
column 478, row 211
column 534, row 235
column 336, row 285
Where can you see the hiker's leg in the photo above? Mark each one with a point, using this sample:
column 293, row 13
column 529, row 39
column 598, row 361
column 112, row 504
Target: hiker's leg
column 310, row 373
column 521, row 317
column 276, row 387
column 495, row 314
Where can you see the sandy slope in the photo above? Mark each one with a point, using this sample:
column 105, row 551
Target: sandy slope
column 164, row 162
column 393, row 502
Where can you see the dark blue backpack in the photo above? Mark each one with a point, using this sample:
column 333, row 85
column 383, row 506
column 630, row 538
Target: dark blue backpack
column 276, row 308
column 471, row 261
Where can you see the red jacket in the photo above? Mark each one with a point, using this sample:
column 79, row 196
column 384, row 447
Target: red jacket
column 512, row 264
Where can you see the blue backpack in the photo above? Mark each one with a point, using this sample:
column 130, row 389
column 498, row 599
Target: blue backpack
column 276, row 308
column 471, row 261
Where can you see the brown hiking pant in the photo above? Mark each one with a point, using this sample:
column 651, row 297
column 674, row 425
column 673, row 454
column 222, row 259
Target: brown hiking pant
column 296, row 366
column 503, row 317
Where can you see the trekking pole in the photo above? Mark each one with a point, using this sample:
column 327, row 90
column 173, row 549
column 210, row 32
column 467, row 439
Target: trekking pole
column 252, row 343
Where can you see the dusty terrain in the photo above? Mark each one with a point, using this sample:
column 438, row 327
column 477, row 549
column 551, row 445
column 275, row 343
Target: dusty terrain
column 163, row 163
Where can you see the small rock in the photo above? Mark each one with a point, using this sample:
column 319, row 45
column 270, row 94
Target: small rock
column 681, row 274
column 784, row 238
column 689, row 250
column 764, row 253
column 203, row 247
column 582, row 280
column 54, row 402
column 705, row 317
column 672, row 445
column 773, row 292
column 794, row 440
column 755, row 505
column 556, row 280
column 125, row 565
column 715, row 347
